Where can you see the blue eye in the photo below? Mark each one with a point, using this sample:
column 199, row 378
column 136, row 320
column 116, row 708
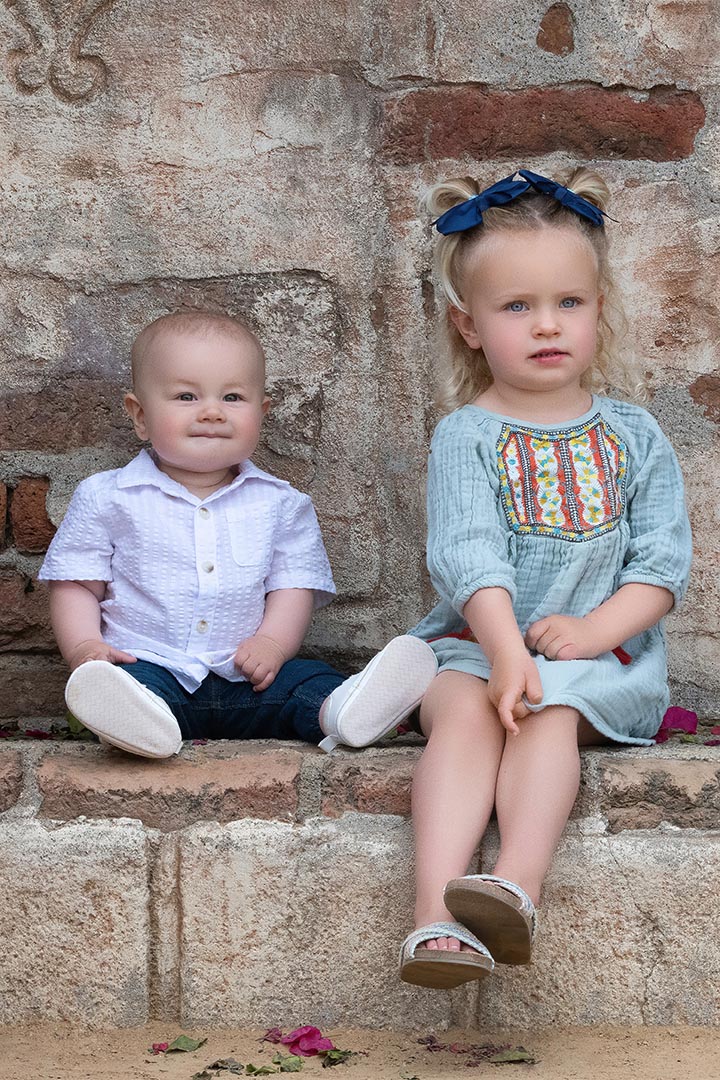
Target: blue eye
column 232, row 397
column 569, row 302
column 187, row 396
column 517, row 305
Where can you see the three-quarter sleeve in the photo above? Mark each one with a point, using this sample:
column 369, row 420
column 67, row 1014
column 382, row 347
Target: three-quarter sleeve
column 299, row 559
column 81, row 549
column 660, row 548
column 467, row 546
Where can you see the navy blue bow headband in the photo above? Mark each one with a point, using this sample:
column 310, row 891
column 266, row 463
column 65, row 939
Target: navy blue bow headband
column 468, row 214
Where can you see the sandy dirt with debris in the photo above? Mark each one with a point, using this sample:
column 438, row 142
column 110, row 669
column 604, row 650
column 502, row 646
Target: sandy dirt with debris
column 54, row 1052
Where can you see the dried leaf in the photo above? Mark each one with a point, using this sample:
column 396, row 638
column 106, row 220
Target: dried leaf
column 511, row 1057
column 288, row 1062
column 335, row 1057
column 185, row 1044
column 272, row 1035
column 204, row 1075
column 259, row 1070
column 228, row 1064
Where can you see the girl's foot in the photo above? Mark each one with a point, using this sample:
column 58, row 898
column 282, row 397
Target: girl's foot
column 499, row 910
column 443, row 968
column 372, row 703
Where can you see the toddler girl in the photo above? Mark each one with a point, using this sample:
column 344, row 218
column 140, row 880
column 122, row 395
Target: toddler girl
column 558, row 540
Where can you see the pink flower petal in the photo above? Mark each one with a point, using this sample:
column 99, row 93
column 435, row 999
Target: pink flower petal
column 159, row 1048
column 307, row 1041
column 677, row 719
column 272, row 1035
column 715, row 730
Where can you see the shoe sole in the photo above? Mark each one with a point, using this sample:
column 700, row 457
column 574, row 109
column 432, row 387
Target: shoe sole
column 488, row 912
column 443, row 970
column 117, row 708
column 394, row 682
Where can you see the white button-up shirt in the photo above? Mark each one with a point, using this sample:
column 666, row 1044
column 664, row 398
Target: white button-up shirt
column 187, row 578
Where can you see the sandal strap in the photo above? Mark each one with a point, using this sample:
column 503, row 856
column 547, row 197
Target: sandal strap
column 526, row 908
column 442, row 929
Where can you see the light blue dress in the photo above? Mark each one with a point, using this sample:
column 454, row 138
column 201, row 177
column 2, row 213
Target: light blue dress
column 561, row 516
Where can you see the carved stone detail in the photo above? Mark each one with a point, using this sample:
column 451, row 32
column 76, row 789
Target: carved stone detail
column 53, row 56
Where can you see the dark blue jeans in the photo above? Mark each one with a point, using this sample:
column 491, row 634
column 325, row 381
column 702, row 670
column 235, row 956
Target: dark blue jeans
column 219, row 709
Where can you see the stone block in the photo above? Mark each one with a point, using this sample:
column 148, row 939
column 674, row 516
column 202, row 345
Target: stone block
column 31, row 526
column 641, row 792
column 627, row 934
column 24, row 614
column 74, row 924
column 3, row 514
column 11, row 775
column 101, row 783
column 374, row 782
column 305, row 925
column 451, row 122
column 56, row 420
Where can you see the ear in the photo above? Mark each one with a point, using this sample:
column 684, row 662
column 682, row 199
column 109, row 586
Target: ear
column 600, row 302
column 265, row 406
column 466, row 326
column 137, row 414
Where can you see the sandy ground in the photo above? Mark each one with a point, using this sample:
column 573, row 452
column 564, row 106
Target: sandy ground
column 54, row 1052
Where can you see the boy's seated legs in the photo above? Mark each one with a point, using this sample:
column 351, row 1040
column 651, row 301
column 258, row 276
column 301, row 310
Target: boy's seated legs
column 142, row 708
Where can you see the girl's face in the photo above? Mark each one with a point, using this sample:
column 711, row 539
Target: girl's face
column 533, row 304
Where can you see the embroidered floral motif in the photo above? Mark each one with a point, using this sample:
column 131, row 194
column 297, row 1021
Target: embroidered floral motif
column 567, row 484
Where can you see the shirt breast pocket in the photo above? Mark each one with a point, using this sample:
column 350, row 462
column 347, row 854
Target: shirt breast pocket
column 250, row 537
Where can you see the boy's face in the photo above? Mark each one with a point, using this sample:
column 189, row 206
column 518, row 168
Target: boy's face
column 199, row 399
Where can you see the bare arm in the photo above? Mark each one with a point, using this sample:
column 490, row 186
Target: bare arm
column 489, row 614
column 633, row 608
column 287, row 616
column 75, row 617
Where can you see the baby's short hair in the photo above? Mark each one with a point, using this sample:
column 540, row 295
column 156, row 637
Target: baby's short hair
column 193, row 321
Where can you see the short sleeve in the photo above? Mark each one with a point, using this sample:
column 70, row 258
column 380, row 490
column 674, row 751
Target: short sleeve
column 467, row 545
column 299, row 559
column 81, row 549
column 660, row 547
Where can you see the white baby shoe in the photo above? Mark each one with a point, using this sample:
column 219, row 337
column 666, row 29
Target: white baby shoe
column 121, row 711
column 372, row 703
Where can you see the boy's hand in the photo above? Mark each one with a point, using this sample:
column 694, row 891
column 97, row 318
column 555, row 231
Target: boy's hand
column 259, row 658
column 514, row 674
column 563, row 637
column 98, row 650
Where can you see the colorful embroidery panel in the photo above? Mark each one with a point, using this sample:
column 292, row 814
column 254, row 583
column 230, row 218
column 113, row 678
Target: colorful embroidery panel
column 565, row 484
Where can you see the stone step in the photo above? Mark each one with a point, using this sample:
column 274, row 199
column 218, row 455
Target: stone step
column 265, row 883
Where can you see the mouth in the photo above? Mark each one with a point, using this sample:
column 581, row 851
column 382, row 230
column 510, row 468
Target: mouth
column 209, row 435
column 548, row 356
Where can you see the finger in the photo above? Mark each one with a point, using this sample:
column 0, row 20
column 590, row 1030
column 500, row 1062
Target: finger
column 505, row 712
column 533, row 686
column 535, row 631
column 259, row 687
column 117, row 656
column 570, row 651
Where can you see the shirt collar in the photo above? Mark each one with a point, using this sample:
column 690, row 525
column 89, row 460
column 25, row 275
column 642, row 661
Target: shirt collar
column 143, row 472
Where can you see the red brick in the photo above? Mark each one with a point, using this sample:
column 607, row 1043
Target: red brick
column 103, row 783
column 31, row 686
column 10, row 779
column 705, row 391
column 32, row 528
column 3, row 514
column 371, row 783
column 67, row 414
column 24, row 614
column 589, row 122
column 556, row 33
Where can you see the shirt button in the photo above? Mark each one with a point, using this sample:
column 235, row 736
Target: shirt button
column 204, row 512
column 208, row 567
column 202, row 627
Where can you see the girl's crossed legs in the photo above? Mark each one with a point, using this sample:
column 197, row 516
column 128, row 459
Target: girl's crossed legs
column 471, row 763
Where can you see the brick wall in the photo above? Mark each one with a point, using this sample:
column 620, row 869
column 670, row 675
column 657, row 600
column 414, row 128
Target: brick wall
column 268, row 160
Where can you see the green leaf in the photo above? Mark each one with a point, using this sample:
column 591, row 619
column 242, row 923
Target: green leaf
column 335, row 1057
column 288, row 1062
column 510, row 1057
column 259, row 1070
column 689, row 738
column 185, row 1043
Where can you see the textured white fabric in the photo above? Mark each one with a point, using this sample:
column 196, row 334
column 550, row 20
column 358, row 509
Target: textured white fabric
column 187, row 579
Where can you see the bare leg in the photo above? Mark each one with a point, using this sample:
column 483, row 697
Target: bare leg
column 453, row 788
column 536, row 788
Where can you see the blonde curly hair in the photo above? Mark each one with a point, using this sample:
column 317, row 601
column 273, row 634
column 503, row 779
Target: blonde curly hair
column 466, row 373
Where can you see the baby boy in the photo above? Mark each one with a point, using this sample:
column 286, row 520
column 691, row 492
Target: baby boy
column 182, row 586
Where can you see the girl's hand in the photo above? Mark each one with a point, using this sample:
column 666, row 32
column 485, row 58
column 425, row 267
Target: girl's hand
column 563, row 637
column 513, row 675
column 259, row 658
column 98, row 650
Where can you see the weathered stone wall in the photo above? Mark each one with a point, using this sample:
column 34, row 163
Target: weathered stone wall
column 268, row 159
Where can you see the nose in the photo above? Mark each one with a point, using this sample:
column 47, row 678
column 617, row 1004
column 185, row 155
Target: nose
column 211, row 410
column 546, row 323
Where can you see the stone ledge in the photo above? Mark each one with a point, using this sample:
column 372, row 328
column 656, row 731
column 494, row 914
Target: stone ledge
column 628, row 789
